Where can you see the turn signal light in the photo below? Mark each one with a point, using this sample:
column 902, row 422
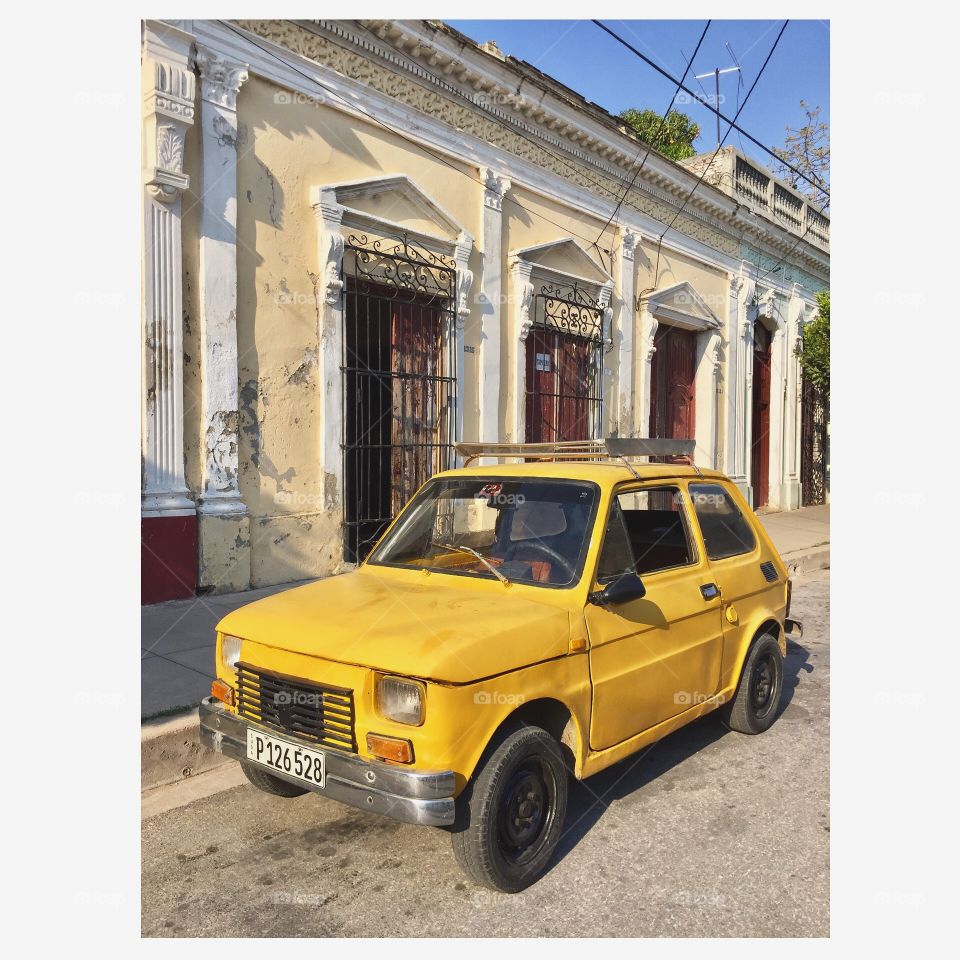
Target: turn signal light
column 390, row 748
column 222, row 691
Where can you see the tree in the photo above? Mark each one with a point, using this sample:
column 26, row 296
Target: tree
column 807, row 148
column 814, row 349
column 673, row 136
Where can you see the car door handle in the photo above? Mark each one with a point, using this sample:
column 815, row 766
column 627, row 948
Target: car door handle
column 710, row 591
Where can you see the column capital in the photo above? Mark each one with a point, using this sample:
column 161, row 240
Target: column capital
column 495, row 188
column 628, row 243
column 220, row 78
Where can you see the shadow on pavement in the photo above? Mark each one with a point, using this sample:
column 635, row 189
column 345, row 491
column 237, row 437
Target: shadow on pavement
column 589, row 799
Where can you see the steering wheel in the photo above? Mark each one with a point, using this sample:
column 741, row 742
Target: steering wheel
column 552, row 555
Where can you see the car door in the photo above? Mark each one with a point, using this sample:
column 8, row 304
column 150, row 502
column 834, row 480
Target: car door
column 655, row 657
column 744, row 565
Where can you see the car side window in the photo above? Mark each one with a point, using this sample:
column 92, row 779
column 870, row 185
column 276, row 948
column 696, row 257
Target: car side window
column 726, row 532
column 646, row 532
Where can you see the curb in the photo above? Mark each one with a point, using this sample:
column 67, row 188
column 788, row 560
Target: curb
column 170, row 750
column 802, row 562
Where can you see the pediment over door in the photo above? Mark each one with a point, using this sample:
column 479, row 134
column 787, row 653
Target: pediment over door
column 396, row 203
column 682, row 306
column 566, row 259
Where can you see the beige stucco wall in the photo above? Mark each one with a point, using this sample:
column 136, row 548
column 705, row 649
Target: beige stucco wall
column 287, row 145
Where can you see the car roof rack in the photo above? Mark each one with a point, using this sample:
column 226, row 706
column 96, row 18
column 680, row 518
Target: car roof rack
column 612, row 448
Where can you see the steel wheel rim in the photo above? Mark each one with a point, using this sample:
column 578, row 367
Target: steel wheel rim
column 526, row 811
column 763, row 686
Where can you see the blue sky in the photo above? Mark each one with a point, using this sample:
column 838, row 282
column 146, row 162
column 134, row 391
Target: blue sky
column 580, row 55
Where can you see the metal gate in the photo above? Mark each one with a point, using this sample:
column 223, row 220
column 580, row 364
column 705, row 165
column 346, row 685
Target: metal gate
column 564, row 354
column 399, row 380
column 814, row 451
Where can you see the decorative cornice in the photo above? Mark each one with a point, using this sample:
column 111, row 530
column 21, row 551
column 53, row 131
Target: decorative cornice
column 220, row 78
column 660, row 190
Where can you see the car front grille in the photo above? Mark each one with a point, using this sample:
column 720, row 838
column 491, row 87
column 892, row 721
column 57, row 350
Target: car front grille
column 308, row 711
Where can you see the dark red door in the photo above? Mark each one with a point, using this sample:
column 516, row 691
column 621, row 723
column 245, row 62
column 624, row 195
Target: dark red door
column 561, row 402
column 672, row 391
column 760, row 441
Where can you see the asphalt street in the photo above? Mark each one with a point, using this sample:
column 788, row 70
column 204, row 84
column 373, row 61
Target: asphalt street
column 708, row 833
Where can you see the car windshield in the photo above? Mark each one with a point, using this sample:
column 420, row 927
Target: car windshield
column 518, row 531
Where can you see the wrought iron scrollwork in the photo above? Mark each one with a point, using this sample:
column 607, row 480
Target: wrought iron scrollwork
column 411, row 272
column 569, row 309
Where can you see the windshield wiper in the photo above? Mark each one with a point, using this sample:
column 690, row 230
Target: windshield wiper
column 473, row 553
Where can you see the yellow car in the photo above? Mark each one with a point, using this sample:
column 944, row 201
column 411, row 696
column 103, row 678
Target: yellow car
column 516, row 624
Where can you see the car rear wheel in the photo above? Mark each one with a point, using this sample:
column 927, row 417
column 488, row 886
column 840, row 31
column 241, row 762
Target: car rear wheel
column 270, row 784
column 754, row 706
column 510, row 817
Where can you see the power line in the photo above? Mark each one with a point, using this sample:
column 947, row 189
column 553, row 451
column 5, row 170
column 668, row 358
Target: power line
column 663, row 120
column 401, row 133
column 704, row 103
column 707, row 166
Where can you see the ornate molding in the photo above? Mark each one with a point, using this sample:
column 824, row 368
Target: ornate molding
column 167, row 180
column 329, row 215
column 495, row 188
column 649, row 339
column 173, row 93
column 521, row 271
column 628, row 244
column 461, row 256
column 603, row 302
column 220, row 78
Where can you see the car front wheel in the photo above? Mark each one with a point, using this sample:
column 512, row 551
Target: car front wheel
column 754, row 706
column 510, row 817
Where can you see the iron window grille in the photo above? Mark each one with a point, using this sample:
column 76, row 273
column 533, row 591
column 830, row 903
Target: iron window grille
column 399, row 379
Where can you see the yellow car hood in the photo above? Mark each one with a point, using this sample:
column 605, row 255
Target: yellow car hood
column 417, row 625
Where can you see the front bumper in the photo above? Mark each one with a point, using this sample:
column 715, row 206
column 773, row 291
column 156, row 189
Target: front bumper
column 408, row 795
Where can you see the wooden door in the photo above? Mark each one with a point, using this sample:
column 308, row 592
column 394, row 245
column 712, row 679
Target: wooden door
column 562, row 400
column 672, row 388
column 760, row 440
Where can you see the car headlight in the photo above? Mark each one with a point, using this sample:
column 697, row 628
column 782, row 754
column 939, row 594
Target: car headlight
column 230, row 650
column 401, row 700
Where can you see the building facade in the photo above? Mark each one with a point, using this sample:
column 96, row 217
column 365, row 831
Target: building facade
column 364, row 240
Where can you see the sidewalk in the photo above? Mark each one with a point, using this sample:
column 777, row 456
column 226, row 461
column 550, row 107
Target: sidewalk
column 177, row 638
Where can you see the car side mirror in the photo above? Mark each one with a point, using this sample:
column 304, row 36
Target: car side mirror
column 622, row 590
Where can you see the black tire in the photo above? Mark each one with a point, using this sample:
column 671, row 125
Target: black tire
column 755, row 704
column 511, row 814
column 268, row 783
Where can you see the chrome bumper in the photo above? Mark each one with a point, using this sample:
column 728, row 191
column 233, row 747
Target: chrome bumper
column 408, row 795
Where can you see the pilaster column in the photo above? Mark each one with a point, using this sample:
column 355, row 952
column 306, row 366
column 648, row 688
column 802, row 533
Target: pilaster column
column 736, row 384
column 329, row 293
column 778, row 366
column 790, row 498
column 749, row 318
column 461, row 256
column 623, row 418
column 521, row 301
column 169, row 520
column 491, row 299
column 224, row 527
column 601, row 429
column 648, row 334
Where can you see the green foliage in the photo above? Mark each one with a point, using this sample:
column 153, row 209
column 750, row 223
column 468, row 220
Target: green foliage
column 814, row 348
column 672, row 137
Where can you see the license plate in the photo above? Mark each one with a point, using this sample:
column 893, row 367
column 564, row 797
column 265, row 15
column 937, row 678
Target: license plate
column 288, row 758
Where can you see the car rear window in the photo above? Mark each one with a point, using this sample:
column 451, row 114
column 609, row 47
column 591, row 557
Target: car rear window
column 726, row 532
